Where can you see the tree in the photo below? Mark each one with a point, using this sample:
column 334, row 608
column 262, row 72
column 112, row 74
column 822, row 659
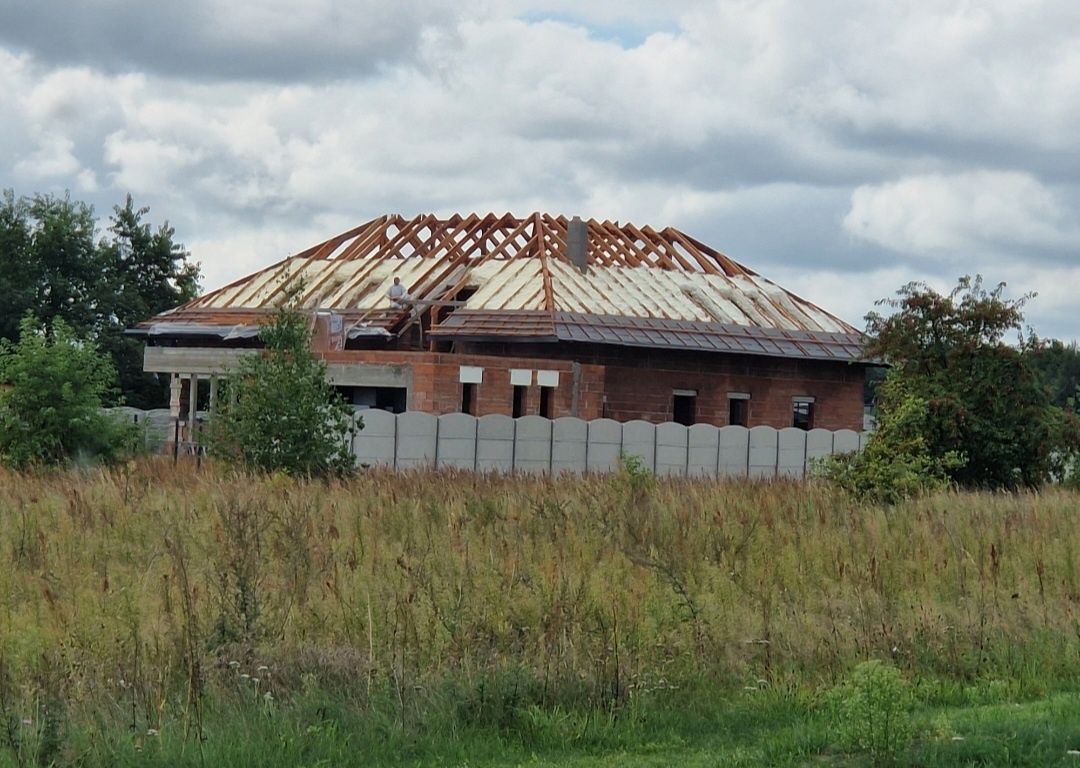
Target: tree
column 279, row 413
column 51, row 267
column 144, row 272
column 66, row 262
column 18, row 277
column 1058, row 366
column 984, row 401
column 51, row 389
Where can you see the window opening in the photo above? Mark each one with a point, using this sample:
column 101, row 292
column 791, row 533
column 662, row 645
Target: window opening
column 545, row 402
column 519, row 401
column 684, row 407
column 803, row 414
column 468, row 399
column 391, row 399
column 738, row 411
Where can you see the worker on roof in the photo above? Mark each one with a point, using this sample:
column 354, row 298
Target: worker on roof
column 399, row 297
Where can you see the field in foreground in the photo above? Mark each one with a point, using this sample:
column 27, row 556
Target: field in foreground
column 159, row 615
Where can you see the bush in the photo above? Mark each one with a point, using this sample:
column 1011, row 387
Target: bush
column 51, row 389
column 896, row 463
column 872, row 712
column 278, row 413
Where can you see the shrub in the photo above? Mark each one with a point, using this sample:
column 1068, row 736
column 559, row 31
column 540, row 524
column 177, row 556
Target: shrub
column 51, row 388
column 278, row 413
column 872, row 712
column 896, row 462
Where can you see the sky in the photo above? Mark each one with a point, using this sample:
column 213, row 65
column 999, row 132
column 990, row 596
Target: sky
column 841, row 147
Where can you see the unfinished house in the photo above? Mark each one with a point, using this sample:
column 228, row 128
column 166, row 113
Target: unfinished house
column 538, row 315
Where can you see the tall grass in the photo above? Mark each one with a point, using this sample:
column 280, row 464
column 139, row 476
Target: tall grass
column 146, row 597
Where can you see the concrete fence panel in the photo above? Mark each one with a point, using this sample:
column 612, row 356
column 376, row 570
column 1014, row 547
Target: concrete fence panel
column 819, row 443
column 605, row 444
column 160, row 428
column 671, row 449
column 495, row 443
column 639, row 439
column 416, row 439
column 762, row 453
column 791, row 453
column 734, row 451
column 532, row 444
column 376, row 443
column 457, row 441
column 569, row 445
column 845, row 441
column 703, row 450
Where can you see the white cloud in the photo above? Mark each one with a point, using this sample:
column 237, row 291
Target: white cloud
column 962, row 215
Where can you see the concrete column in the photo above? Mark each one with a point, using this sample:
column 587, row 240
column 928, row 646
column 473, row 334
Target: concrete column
column 193, row 406
column 213, row 393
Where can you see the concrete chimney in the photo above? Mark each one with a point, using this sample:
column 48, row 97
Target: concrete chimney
column 576, row 239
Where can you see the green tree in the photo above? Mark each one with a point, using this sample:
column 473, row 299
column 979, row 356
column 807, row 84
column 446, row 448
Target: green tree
column 51, row 266
column 983, row 400
column 144, row 272
column 278, row 412
column 1058, row 366
column 66, row 263
column 52, row 384
column 18, row 278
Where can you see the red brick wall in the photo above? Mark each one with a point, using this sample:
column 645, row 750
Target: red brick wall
column 636, row 387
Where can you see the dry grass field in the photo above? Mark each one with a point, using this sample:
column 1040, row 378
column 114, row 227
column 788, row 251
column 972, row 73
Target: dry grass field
column 169, row 614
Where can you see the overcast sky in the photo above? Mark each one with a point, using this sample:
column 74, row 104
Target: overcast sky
column 839, row 147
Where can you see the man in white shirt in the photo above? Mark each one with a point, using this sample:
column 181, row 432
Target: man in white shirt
column 397, row 294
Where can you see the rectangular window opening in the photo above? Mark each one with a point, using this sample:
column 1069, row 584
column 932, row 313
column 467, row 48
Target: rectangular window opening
column 684, row 408
column 546, row 400
column 802, row 414
column 738, row 411
column 520, row 394
column 391, row 399
column 468, row 399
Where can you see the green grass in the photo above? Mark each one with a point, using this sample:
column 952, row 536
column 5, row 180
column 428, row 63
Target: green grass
column 760, row 729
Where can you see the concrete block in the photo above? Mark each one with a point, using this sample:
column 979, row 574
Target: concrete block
column 639, row 439
column 416, row 439
column 375, row 444
column 671, row 449
column 762, row 454
column 457, row 441
column 791, row 453
column 734, row 451
column 605, row 442
column 703, row 450
column 532, row 445
column 864, row 438
column 569, row 445
column 495, row 443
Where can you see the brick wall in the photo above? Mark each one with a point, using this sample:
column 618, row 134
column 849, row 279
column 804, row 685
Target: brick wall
column 632, row 385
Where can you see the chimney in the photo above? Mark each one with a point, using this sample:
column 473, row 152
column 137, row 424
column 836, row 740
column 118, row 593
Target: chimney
column 576, row 232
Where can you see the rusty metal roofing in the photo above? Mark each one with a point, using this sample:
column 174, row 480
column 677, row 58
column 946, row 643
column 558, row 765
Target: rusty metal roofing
column 520, row 266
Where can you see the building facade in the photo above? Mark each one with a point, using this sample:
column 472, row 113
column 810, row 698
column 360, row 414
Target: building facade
column 533, row 316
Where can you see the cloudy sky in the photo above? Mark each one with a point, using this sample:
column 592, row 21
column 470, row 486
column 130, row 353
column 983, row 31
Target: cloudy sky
column 840, row 147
